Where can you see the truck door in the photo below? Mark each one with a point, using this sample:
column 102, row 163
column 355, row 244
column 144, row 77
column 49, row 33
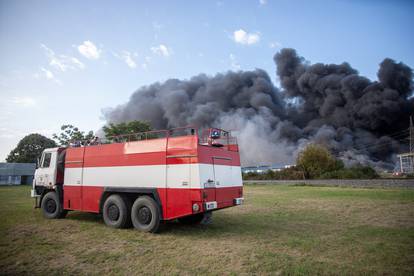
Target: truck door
column 73, row 178
column 178, row 186
column 208, row 182
column 46, row 173
column 222, row 178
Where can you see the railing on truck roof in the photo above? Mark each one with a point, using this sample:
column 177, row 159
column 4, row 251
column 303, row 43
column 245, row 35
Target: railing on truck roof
column 209, row 137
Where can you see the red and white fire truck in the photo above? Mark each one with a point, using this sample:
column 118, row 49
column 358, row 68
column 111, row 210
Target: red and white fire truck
column 143, row 178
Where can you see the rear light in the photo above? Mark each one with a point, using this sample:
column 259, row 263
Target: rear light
column 196, row 207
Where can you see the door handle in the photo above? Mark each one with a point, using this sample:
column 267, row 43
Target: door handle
column 185, row 183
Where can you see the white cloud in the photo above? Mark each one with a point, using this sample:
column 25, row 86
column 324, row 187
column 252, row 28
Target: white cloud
column 23, row 101
column 275, row 44
column 144, row 65
column 262, row 2
column 243, row 37
column 161, row 50
column 129, row 58
column 129, row 61
column 234, row 63
column 89, row 50
column 10, row 132
column 62, row 62
column 48, row 74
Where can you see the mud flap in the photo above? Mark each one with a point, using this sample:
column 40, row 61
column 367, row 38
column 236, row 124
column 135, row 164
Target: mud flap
column 207, row 219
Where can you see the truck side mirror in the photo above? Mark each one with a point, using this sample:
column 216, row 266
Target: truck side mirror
column 38, row 163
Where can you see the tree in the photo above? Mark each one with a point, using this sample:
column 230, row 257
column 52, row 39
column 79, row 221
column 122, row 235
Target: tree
column 126, row 128
column 315, row 160
column 30, row 148
column 71, row 133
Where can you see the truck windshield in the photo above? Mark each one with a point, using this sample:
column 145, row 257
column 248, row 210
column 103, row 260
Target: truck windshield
column 46, row 160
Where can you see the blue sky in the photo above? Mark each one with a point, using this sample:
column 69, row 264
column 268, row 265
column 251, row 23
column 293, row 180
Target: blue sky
column 63, row 62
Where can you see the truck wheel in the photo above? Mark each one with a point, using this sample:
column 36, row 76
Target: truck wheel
column 193, row 219
column 51, row 207
column 115, row 212
column 145, row 214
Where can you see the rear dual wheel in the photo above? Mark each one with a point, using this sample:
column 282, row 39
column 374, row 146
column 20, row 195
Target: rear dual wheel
column 116, row 212
column 145, row 213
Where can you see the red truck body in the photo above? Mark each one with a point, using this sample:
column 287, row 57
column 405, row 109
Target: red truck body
column 185, row 174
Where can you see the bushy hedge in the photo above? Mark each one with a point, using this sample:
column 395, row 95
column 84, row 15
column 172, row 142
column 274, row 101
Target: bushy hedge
column 355, row 172
column 285, row 174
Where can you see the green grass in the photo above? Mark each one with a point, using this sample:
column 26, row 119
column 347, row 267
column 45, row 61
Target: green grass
column 280, row 230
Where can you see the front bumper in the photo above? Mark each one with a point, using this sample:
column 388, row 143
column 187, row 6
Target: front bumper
column 33, row 193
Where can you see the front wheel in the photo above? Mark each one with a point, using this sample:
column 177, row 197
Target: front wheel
column 146, row 214
column 51, row 207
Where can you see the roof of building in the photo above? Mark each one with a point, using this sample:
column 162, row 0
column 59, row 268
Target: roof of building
column 406, row 154
column 17, row 168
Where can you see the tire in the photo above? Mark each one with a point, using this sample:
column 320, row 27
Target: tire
column 146, row 214
column 116, row 212
column 51, row 206
column 203, row 218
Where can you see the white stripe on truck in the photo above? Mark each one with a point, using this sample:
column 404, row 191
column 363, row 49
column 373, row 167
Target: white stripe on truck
column 154, row 176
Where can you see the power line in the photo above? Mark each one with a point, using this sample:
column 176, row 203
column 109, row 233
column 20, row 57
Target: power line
column 381, row 144
column 396, row 134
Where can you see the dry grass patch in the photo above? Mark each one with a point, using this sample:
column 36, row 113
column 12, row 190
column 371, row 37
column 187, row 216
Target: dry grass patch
column 280, row 230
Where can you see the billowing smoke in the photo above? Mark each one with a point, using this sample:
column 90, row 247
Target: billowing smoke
column 360, row 120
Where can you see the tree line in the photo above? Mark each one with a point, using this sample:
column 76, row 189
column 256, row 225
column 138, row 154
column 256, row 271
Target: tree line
column 315, row 162
column 30, row 148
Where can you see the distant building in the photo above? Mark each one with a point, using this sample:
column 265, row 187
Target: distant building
column 17, row 173
column 406, row 162
column 263, row 169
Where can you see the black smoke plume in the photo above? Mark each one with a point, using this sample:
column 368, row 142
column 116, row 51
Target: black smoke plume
column 360, row 120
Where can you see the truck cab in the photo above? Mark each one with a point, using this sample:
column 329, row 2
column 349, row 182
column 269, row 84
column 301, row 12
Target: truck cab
column 47, row 174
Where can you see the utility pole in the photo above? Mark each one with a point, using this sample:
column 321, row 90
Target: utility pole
column 407, row 159
column 411, row 135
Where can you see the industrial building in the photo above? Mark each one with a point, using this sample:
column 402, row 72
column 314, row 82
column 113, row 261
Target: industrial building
column 264, row 168
column 17, row 173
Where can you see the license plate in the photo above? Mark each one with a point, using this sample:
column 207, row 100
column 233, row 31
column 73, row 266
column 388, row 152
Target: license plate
column 211, row 205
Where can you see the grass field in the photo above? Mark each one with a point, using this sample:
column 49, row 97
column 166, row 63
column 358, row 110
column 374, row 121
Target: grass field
column 279, row 230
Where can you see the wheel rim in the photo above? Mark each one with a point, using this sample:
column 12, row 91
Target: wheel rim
column 50, row 206
column 113, row 212
column 144, row 215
